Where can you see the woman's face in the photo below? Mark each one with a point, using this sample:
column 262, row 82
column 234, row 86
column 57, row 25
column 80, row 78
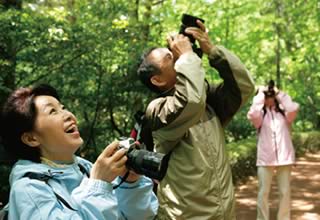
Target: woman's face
column 55, row 129
column 269, row 102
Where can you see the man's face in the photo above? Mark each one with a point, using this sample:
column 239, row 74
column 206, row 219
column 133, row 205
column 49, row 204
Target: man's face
column 164, row 60
column 55, row 129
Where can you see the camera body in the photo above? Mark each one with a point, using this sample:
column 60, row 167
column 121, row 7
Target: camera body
column 141, row 161
column 190, row 21
column 270, row 92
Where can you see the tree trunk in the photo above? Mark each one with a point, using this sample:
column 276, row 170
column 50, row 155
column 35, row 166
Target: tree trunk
column 8, row 51
column 70, row 5
column 227, row 25
column 17, row 4
column 278, row 5
column 146, row 19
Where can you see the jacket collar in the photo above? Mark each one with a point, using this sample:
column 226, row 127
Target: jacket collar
column 168, row 92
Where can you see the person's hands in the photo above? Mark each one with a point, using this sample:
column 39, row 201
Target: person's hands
column 262, row 88
column 202, row 36
column 179, row 45
column 276, row 90
column 110, row 163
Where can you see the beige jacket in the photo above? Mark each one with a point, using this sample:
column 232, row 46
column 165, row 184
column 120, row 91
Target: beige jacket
column 188, row 121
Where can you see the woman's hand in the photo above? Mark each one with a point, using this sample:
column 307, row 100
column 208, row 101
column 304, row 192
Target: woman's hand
column 110, row 163
column 262, row 88
column 276, row 90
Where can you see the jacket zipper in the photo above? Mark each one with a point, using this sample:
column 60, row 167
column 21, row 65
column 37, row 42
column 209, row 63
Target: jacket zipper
column 215, row 172
column 219, row 193
column 275, row 138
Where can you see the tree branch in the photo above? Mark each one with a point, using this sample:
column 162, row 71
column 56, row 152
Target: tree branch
column 91, row 130
column 113, row 122
column 54, row 69
column 158, row 2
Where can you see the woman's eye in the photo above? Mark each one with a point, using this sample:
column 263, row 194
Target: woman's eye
column 64, row 108
column 52, row 111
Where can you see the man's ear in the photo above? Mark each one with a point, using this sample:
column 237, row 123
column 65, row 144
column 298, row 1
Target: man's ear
column 157, row 81
column 30, row 139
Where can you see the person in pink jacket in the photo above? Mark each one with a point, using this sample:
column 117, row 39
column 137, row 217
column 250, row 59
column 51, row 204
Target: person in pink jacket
column 272, row 113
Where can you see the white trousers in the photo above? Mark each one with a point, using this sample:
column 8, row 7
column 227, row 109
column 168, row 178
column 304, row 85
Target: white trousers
column 265, row 174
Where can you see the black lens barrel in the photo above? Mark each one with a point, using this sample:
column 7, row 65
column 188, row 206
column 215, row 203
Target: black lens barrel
column 150, row 164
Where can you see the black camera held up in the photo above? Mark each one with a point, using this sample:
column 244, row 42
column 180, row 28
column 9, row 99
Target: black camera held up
column 191, row 21
column 270, row 92
column 141, row 161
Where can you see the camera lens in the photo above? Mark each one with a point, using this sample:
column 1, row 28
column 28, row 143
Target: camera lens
column 190, row 21
column 151, row 164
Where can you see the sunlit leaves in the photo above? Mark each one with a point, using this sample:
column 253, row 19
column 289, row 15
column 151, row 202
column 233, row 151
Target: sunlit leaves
column 89, row 51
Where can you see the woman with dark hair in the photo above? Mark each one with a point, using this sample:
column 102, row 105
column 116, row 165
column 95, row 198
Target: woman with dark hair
column 49, row 182
column 272, row 113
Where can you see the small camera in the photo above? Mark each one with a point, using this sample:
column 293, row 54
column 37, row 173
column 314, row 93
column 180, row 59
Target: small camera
column 141, row 161
column 190, row 21
column 270, row 92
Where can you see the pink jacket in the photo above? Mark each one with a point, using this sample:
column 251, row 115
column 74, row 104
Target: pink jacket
column 274, row 140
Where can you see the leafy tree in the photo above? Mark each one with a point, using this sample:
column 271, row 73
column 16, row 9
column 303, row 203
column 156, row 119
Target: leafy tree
column 89, row 51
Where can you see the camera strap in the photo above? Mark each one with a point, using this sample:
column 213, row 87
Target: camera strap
column 122, row 179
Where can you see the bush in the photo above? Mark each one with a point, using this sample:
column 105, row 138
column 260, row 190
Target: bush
column 306, row 142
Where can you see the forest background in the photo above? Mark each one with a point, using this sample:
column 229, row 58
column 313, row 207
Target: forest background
column 89, row 50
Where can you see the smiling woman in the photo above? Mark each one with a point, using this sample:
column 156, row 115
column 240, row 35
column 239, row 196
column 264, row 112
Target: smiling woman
column 20, row 109
column 55, row 130
column 48, row 180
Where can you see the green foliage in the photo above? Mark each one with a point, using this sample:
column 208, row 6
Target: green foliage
column 90, row 60
column 240, row 127
column 89, row 51
column 306, row 142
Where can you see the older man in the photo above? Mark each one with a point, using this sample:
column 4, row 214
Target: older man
column 187, row 119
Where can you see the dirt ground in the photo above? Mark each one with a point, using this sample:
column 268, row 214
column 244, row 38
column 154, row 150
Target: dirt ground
column 305, row 192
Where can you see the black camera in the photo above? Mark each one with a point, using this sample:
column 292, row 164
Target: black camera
column 141, row 161
column 191, row 21
column 270, row 92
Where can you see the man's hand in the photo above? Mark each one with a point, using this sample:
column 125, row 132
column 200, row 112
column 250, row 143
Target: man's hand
column 201, row 35
column 179, row 45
